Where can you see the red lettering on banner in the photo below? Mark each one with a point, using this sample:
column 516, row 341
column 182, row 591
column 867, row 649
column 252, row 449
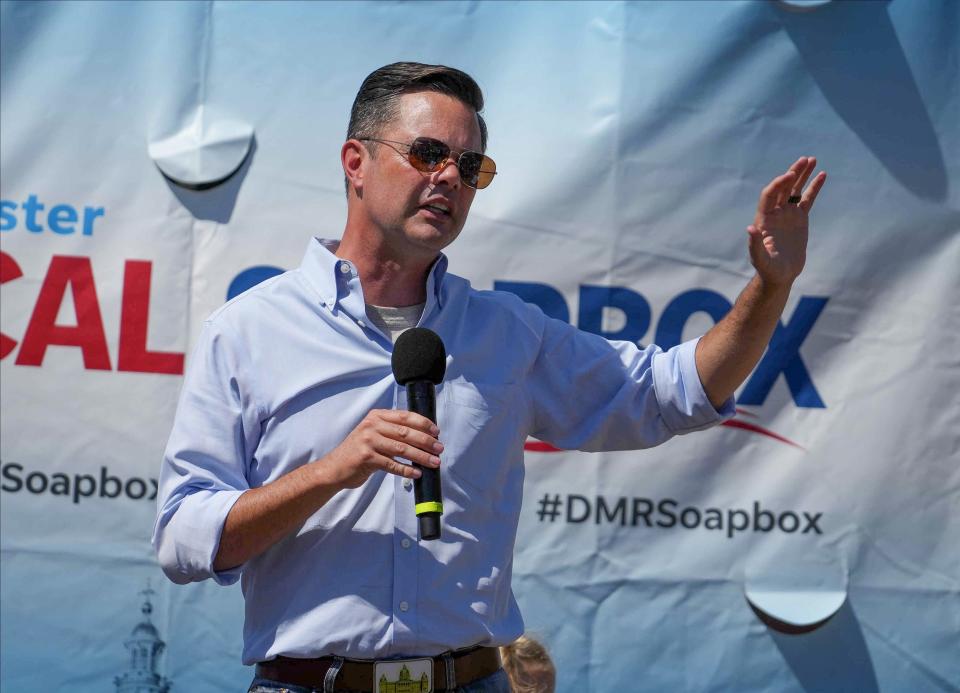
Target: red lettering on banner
column 134, row 319
column 76, row 274
column 9, row 270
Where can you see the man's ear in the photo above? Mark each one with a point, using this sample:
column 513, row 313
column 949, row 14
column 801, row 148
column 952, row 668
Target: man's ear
column 353, row 156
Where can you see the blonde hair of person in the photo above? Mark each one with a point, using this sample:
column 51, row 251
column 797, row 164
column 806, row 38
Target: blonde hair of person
column 528, row 666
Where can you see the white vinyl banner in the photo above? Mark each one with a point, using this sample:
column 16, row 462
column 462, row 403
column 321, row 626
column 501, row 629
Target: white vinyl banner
column 160, row 157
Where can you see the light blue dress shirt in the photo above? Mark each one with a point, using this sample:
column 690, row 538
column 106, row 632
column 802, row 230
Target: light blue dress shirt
column 283, row 372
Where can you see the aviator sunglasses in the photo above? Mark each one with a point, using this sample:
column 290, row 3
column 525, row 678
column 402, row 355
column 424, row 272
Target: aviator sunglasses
column 430, row 155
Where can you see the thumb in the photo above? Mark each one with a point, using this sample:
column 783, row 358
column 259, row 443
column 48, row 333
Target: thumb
column 754, row 242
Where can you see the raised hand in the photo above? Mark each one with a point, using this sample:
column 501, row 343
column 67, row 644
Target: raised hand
column 778, row 235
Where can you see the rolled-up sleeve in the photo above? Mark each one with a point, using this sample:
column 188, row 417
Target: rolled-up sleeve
column 592, row 394
column 683, row 402
column 204, row 467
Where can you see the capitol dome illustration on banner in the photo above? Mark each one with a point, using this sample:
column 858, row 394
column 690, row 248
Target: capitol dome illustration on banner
column 145, row 647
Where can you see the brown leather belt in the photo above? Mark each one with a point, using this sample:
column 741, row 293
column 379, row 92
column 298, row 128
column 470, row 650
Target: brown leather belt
column 357, row 675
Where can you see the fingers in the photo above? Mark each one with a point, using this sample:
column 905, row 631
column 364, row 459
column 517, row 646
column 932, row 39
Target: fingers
column 397, row 433
column 410, row 436
column 799, row 171
column 776, row 193
column 407, row 471
column 810, row 194
column 804, row 175
column 407, row 418
column 791, row 184
column 382, row 436
column 754, row 242
column 414, row 446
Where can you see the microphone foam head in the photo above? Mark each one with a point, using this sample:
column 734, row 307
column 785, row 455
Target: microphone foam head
column 419, row 355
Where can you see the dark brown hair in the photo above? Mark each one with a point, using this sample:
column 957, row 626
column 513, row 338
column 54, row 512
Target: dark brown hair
column 376, row 103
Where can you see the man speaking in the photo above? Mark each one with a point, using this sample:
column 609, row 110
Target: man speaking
column 288, row 466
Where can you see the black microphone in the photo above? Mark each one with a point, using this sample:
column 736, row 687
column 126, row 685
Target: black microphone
column 419, row 362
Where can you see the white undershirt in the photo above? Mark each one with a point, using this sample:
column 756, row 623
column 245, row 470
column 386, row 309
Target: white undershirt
column 394, row 321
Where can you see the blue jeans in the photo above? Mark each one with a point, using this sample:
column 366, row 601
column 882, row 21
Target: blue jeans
column 495, row 683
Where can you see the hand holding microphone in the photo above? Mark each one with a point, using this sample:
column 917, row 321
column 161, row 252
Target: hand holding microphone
column 419, row 363
column 382, row 435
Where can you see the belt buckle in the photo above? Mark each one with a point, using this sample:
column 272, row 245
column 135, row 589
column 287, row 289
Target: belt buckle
column 403, row 676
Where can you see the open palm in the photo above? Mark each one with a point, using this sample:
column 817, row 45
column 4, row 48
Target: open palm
column 778, row 235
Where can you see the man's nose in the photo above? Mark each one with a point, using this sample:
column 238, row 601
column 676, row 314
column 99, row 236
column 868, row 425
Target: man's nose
column 449, row 172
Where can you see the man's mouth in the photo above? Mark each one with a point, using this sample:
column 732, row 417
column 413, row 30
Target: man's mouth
column 437, row 208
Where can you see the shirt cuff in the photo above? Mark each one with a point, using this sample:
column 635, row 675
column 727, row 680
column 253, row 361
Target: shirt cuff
column 684, row 405
column 191, row 540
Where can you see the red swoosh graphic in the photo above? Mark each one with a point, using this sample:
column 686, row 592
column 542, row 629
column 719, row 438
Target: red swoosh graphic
column 753, row 428
column 533, row 445
column 539, row 446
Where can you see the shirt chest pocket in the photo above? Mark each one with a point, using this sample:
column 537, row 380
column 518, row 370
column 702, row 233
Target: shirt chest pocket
column 478, row 424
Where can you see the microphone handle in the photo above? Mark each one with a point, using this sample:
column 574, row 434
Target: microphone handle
column 422, row 399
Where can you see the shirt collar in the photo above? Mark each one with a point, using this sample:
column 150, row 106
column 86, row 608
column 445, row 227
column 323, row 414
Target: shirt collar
column 330, row 275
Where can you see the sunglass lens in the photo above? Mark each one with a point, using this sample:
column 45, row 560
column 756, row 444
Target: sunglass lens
column 469, row 166
column 427, row 154
column 477, row 170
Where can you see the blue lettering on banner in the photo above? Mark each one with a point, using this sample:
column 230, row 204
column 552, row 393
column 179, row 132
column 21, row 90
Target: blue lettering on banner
column 679, row 310
column 545, row 296
column 7, row 219
column 636, row 310
column 62, row 218
column 782, row 356
column 250, row 277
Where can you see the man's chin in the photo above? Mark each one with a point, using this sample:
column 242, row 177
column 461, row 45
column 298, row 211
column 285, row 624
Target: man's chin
column 432, row 237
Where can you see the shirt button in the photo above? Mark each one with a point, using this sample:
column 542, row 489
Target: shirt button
column 405, row 543
column 344, row 268
column 361, row 323
column 404, row 606
column 407, row 484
